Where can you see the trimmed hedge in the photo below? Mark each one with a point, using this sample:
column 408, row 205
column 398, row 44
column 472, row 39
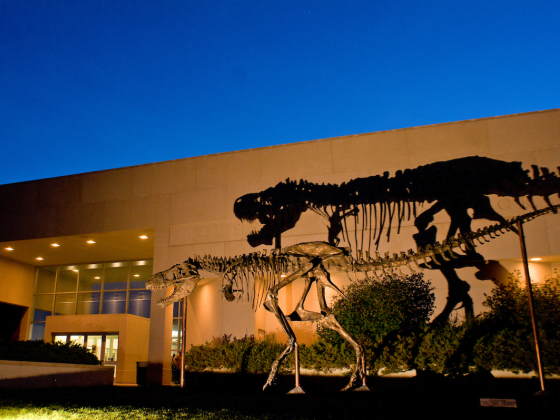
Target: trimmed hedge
column 40, row 351
column 239, row 355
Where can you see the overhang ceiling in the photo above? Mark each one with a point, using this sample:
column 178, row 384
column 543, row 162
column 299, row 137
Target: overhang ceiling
column 109, row 246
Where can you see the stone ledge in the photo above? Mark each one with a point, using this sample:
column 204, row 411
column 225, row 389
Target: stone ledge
column 22, row 375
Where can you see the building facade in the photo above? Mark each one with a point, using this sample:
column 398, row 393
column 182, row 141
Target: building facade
column 75, row 251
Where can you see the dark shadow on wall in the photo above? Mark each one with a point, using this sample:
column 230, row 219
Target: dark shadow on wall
column 364, row 210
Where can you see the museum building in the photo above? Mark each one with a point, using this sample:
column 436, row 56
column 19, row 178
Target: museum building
column 76, row 251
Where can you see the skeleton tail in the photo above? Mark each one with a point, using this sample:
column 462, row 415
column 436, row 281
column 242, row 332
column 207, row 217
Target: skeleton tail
column 444, row 251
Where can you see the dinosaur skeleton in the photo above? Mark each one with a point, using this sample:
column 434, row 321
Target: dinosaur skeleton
column 376, row 205
column 258, row 272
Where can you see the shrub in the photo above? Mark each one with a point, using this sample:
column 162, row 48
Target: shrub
column 385, row 317
column 40, row 351
column 505, row 334
column 390, row 318
column 241, row 355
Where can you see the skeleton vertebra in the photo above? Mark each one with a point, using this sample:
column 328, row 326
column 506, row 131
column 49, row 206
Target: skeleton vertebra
column 312, row 261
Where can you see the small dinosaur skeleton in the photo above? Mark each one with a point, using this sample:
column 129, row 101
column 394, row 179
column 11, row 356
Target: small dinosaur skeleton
column 257, row 274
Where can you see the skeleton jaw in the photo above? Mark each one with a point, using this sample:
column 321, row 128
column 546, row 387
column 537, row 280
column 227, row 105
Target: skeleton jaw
column 184, row 276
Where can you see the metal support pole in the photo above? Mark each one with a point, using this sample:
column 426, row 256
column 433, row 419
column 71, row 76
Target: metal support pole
column 297, row 389
column 530, row 295
column 297, row 365
column 183, row 340
column 364, row 371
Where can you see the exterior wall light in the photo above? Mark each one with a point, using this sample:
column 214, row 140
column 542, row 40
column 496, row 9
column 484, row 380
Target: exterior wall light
column 55, row 245
column 9, row 248
column 90, row 242
column 39, row 258
column 536, row 259
column 143, row 237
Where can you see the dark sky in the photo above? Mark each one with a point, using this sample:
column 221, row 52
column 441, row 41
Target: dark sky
column 91, row 85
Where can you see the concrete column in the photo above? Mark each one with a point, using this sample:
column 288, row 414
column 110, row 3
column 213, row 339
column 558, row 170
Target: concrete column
column 161, row 320
column 159, row 350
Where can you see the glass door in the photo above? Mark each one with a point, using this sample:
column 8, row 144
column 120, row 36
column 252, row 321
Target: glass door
column 111, row 350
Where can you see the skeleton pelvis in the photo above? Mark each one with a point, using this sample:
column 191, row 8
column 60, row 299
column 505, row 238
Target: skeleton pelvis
column 304, row 315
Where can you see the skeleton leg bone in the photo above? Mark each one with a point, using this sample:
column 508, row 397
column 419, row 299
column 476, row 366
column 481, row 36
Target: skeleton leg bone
column 331, row 322
column 271, row 305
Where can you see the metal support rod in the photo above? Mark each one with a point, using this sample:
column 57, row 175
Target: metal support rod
column 364, row 370
column 530, row 295
column 183, row 340
column 297, row 364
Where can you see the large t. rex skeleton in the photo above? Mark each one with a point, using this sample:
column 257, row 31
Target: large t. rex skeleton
column 257, row 274
column 374, row 202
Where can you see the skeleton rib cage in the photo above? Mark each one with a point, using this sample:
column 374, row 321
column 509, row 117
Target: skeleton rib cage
column 254, row 274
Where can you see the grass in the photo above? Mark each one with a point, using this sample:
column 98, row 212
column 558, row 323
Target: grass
column 239, row 397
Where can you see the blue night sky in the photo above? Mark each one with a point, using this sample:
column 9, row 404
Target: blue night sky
column 91, row 85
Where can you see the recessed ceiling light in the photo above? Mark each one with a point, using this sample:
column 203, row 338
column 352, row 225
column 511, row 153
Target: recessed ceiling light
column 143, row 237
column 97, row 278
column 536, row 259
column 9, row 248
column 55, row 245
column 90, row 242
column 137, row 275
column 39, row 258
column 75, row 271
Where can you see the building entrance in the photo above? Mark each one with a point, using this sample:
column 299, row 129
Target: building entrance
column 104, row 346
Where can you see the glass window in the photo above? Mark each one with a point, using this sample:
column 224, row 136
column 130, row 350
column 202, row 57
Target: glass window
column 65, row 304
column 45, row 279
column 111, row 348
column 37, row 331
column 175, row 335
column 94, row 344
column 116, row 275
column 43, row 307
column 114, row 302
column 177, row 310
column 67, row 280
column 140, row 272
column 89, row 303
column 77, row 339
column 139, row 303
column 90, row 277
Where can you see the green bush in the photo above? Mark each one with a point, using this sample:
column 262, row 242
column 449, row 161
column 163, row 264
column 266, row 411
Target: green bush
column 390, row 319
column 385, row 317
column 505, row 333
column 240, row 355
column 40, row 351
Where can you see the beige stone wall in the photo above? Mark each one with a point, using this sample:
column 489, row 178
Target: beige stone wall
column 190, row 201
column 17, row 281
